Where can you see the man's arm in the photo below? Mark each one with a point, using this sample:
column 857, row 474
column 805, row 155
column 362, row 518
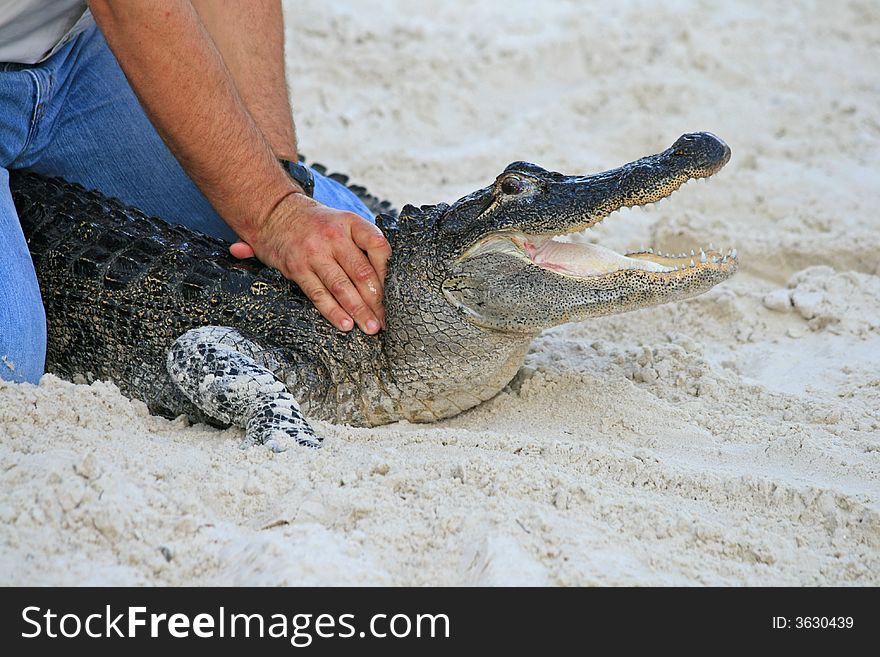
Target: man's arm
column 250, row 38
column 174, row 67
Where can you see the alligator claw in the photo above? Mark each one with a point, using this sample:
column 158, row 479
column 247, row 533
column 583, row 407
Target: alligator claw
column 278, row 421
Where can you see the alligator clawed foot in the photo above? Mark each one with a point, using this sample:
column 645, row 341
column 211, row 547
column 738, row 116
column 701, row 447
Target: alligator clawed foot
column 214, row 367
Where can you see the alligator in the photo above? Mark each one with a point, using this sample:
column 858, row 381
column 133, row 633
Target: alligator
column 172, row 319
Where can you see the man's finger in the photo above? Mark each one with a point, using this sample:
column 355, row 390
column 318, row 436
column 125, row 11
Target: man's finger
column 361, row 272
column 369, row 238
column 241, row 250
column 326, row 304
column 346, row 295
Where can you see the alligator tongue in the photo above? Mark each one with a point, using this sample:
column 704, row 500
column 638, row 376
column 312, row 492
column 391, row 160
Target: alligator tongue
column 584, row 259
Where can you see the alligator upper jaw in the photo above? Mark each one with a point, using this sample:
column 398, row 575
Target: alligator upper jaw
column 528, row 199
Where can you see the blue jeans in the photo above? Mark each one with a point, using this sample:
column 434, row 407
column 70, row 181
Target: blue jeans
column 75, row 116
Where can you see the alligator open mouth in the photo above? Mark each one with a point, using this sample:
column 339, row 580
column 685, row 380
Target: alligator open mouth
column 583, row 260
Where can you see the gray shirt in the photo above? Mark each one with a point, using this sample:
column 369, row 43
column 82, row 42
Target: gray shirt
column 32, row 30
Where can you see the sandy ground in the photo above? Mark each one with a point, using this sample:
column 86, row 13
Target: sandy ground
column 731, row 439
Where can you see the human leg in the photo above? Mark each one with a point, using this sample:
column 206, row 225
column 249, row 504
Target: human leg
column 22, row 318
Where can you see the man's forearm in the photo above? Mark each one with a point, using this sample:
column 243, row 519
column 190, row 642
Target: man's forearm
column 189, row 94
column 250, row 36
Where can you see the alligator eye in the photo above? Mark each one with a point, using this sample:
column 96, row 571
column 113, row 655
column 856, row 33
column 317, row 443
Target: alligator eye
column 512, row 185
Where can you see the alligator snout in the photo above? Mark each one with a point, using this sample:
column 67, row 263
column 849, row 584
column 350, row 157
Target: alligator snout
column 707, row 152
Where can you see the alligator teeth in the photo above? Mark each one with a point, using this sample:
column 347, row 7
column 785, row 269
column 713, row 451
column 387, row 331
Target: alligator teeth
column 692, row 263
column 650, row 250
column 733, row 253
column 692, row 252
column 702, row 256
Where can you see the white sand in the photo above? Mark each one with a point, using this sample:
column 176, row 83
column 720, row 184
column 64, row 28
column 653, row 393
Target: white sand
column 730, row 439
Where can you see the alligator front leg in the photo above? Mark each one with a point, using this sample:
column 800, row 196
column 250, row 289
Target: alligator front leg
column 217, row 369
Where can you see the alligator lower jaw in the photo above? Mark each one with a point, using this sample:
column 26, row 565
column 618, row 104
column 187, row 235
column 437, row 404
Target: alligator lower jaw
column 584, row 261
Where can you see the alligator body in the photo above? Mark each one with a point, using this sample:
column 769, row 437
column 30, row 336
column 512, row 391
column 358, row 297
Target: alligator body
column 173, row 320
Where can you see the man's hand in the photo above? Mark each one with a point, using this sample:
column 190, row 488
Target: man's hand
column 338, row 258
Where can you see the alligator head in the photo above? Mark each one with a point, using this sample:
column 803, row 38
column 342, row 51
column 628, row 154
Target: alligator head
column 503, row 268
